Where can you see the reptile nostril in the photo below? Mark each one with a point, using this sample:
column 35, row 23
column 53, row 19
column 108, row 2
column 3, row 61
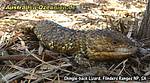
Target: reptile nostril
column 130, row 47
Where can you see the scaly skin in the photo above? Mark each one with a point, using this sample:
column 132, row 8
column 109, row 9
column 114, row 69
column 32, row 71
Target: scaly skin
column 93, row 44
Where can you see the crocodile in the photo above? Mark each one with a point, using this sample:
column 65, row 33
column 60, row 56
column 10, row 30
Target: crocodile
column 92, row 44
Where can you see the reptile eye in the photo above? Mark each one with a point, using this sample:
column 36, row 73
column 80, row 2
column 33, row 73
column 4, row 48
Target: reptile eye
column 114, row 42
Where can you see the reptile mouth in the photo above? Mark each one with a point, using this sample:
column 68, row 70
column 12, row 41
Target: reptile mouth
column 125, row 51
column 117, row 53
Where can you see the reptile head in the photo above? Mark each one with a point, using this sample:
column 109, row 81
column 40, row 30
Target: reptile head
column 107, row 45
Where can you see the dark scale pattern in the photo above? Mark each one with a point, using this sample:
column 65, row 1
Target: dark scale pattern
column 58, row 38
column 95, row 44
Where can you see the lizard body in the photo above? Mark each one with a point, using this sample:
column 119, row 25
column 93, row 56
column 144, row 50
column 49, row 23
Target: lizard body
column 94, row 44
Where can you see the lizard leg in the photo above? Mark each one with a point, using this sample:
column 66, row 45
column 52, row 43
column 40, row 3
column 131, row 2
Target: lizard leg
column 80, row 59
